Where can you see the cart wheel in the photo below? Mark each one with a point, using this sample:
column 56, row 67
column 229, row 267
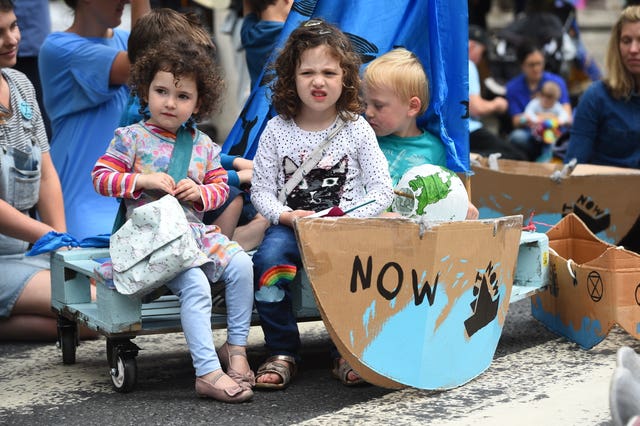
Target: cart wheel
column 124, row 375
column 68, row 344
column 110, row 353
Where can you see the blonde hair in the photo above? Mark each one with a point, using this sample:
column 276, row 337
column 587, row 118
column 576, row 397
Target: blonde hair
column 401, row 71
column 619, row 80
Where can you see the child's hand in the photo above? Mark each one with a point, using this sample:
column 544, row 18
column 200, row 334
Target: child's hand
column 155, row 181
column 240, row 163
column 287, row 218
column 472, row 212
column 245, row 176
column 187, row 190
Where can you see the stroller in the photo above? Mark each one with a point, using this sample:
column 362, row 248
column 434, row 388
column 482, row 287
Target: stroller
column 551, row 25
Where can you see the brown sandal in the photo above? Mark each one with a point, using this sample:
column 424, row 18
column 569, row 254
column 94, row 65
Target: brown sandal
column 341, row 372
column 274, row 365
column 225, row 354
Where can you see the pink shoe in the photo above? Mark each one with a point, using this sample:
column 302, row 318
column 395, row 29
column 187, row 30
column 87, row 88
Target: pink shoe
column 234, row 394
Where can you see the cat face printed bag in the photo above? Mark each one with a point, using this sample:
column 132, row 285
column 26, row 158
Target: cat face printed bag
column 152, row 247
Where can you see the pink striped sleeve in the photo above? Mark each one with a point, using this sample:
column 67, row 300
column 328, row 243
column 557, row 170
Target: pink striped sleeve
column 110, row 177
column 214, row 190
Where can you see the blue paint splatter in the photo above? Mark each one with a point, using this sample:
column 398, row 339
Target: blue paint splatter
column 587, row 336
column 369, row 313
column 494, row 201
column 546, row 196
column 413, row 349
column 549, row 219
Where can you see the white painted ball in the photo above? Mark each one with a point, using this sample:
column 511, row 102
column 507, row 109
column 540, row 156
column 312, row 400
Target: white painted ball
column 432, row 192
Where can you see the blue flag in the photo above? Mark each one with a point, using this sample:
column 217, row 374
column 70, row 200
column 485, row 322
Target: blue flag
column 435, row 30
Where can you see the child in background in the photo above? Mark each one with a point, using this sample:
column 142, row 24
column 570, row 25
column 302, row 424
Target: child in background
column 179, row 82
column 548, row 117
column 316, row 89
column 261, row 28
column 396, row 93
column 236, row 218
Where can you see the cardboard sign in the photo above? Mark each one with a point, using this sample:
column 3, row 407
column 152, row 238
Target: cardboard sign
column 593, row 193
column 421, row 305
column 594, row 286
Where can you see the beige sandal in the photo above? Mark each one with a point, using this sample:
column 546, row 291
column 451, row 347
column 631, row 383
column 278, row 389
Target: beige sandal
column 274, row 365
column 341, row 372
column 225, row 354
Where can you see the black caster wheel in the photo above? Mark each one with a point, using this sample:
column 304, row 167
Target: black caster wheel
column 121, row 355
column 67, row 340
column 124, row 374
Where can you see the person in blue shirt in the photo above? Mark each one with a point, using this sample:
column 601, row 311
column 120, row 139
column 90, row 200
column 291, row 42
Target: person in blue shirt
column 396, row 93
column 35, row 24
column 522, row 89
column 84, row 71
column 606, row 127
column 261, row 27
column 28, row 183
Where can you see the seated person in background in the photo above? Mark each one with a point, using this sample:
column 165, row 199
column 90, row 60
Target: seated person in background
column 25, row 289
column 396, row 93
column 522, row 88
column 606, row 129
column 481, row 140
column 549, row 119
column 261, row 27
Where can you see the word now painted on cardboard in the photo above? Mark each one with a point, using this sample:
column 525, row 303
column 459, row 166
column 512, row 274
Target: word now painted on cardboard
column 393, row 270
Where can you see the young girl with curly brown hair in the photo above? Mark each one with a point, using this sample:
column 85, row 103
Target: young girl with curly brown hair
column 316, row 93
column 179, row 83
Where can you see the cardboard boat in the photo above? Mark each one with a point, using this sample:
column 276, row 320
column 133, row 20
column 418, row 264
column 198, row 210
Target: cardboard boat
column 594, row 286
column 596, row 194
column 410, row 304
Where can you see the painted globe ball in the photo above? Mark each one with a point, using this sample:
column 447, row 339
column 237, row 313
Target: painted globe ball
column 431, row 192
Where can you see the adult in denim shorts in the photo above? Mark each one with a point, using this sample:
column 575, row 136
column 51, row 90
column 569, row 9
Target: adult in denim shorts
column 28, row 185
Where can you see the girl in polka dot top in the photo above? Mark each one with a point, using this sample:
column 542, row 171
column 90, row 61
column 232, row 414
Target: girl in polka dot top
column 315, row 89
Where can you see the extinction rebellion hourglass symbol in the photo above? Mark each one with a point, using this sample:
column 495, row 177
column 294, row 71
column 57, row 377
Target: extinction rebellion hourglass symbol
column 595, row 286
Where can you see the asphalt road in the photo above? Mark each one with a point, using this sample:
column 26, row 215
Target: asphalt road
column 536, row 378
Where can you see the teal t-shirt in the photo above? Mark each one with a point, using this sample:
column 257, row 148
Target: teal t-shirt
column 405, row 153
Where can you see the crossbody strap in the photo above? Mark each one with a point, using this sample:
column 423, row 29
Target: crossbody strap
column 181, row 155
column 309, row 163
column 178, row 168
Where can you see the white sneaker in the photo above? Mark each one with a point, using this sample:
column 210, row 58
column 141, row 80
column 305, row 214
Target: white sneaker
column 628, row 358
column 624, row 396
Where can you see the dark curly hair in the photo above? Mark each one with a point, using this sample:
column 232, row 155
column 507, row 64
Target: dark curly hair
column 308, row 35
column 181, row 57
